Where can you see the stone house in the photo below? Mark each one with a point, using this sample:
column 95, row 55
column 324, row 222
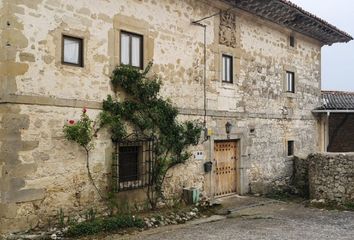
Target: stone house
column 336, row 116
column 260, row 82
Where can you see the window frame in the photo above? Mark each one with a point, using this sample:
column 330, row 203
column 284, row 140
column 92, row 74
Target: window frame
column 290, row 148
column 81, row 50
column 290, row 88
column 231, row 81
column 137, row 175
column 137, row 153
column 131, row 34
column 292, row 41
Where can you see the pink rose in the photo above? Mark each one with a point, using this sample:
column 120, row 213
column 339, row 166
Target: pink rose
column 71, row 122
column 84, row 110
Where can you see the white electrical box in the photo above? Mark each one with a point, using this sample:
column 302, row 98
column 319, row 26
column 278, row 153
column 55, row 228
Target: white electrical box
column 199, row 155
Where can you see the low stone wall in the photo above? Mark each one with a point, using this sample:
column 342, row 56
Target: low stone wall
column 300, row 179
column 331, row 177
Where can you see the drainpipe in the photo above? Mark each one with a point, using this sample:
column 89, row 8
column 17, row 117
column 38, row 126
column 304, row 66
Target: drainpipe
column 197, row 23
column 206, row 137
column 326, row 132
column 204, row 26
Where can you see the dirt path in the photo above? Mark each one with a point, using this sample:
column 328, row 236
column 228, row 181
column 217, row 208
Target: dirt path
column 260, row 219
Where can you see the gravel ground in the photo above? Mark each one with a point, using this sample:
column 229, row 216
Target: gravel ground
column 272, row 221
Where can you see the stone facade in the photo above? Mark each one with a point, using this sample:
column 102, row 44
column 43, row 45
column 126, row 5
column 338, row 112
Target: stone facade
column 331, row 177
column 40, row 172
column 300, row 178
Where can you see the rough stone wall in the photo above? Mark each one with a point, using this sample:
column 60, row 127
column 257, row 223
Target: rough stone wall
column 331, row 177
column 341, row 133
column 41, row 172
column 300, row 178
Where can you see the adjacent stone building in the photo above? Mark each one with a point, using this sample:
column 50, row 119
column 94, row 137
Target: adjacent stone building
column 336, row 115
column 255, row 92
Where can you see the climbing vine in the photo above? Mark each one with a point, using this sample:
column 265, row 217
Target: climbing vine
column 82, row 132
column 145, row 111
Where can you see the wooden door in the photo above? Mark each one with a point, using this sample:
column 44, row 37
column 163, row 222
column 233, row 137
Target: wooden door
column 225, row 169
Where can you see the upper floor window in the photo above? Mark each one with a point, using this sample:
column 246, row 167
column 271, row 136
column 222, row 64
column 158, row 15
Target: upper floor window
column 131, row 49
column 227, row 68
column 290, row 82
column 72, row 51
column 292, row 41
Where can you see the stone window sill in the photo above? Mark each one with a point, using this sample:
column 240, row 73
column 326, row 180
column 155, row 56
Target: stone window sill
column 227, row 85
column 289, row 94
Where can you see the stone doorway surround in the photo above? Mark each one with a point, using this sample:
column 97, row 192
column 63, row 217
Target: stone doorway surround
column 243, row 158
column 225, row 167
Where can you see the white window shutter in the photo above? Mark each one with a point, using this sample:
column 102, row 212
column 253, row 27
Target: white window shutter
column 136, row 54
column 124, row 49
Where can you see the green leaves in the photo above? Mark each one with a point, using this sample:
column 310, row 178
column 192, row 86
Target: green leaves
column 146, row 111
column 80, row 132
column 151, row 114
column 135, row 82
column 104, row 225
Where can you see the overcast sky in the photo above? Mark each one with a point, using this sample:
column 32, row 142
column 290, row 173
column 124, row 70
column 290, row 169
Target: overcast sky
column 338, row 59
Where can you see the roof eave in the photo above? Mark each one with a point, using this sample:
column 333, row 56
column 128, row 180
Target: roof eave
column 333, row 111
column 291, row 16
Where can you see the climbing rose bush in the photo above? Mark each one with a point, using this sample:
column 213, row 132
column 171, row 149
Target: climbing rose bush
column 81, row 131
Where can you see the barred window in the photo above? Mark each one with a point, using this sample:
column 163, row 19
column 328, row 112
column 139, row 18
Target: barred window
column 129, row 163
column 133, row 164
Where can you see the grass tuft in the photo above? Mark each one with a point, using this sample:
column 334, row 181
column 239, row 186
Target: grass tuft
column 104, row 225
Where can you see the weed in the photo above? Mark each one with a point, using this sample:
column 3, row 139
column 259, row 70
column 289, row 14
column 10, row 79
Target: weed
column 349, row 206
column 282, row 196
column 90, row 215
column 61, row 217
column 124, row 208
column 104, row 225
column 71, row 221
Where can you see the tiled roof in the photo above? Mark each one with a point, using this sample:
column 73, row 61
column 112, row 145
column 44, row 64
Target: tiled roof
column 335, row 100
column 288, row 14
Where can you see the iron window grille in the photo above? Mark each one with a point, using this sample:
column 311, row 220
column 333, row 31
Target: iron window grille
column 133, row 163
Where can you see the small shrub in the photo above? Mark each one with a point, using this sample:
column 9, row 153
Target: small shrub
column 81, row 131
column 349, row 206
column 279, row 195
column 104, row 225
